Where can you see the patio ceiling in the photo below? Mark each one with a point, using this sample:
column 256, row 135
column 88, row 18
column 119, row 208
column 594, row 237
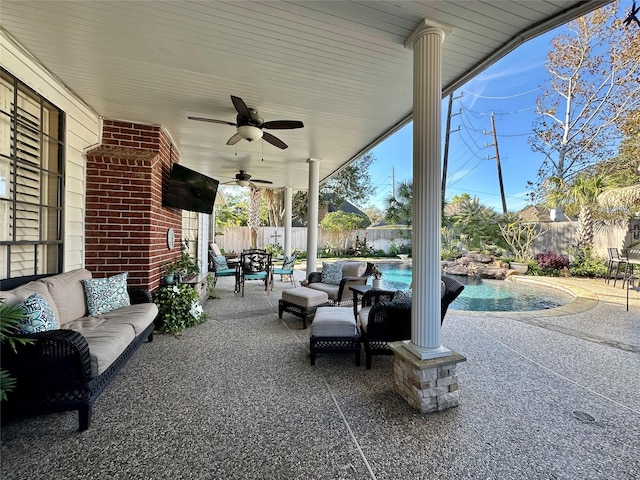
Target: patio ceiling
column 338, row 66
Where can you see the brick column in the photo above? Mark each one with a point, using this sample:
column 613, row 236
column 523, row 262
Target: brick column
column 126, row 224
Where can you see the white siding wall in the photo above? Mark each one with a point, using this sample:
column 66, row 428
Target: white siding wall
column 82, row 131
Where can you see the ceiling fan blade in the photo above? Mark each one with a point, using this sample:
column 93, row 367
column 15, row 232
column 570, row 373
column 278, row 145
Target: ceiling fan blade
column 241, row 107
column 283, row 124
column 212, row 120
column 262, row 181
column 235, row 138
column 273, row 140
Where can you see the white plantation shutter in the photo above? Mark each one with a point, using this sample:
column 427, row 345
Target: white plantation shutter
column 30, row 182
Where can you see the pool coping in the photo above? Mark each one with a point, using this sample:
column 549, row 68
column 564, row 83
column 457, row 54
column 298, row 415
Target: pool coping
column 583, row 300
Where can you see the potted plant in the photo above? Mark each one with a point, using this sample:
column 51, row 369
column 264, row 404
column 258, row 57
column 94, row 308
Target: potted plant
column 519, row 236
column 170, row 270
column 377, row 276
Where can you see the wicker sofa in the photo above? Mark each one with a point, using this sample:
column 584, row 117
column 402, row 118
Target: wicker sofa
column 383, row 320
column 353, row 273
column 68, row 367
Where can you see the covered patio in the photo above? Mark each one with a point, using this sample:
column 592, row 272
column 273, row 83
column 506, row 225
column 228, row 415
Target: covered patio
column 236, row 398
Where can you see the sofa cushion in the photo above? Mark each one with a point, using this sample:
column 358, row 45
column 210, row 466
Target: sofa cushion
column 67, row 292
column 17, row 295
column 38, row 316
column 330, row 290
column 332, row 273
column 353, row 269
column 106, row 340
column 106, row 294
column 139, row 316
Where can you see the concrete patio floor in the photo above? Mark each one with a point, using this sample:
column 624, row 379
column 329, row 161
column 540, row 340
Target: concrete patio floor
column 236, row 398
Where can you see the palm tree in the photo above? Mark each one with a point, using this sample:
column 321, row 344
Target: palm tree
column 400, row 206
column 621, row 197
column 583, row 194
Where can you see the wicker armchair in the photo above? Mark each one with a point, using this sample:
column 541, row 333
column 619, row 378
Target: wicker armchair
column 383, row 320
column 336, row 292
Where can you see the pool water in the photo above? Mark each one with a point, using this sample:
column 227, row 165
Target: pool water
column 485, row 295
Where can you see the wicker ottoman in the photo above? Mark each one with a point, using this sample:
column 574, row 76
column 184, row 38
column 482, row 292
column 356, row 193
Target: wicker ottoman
column 334, row 330
column 301, row 302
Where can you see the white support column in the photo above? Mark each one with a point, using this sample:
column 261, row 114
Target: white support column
column 203, row 242
column 288, row 199
column 426, row 42
column 312, row 214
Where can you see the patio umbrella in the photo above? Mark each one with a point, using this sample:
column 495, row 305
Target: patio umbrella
column 622, row 197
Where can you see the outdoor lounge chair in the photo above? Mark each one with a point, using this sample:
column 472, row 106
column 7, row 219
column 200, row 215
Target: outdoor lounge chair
column 287, row 268
column 390, row 321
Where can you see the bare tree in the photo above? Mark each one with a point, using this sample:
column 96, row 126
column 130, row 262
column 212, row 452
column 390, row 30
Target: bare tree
column 594, row 83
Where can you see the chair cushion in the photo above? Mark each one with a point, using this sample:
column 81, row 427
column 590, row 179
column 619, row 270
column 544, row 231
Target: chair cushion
column 37, row 315
column 289, row 262
column 225, row 272
column 402, row 296
column 354, row 269
column 331, row 273
column 304, row 297
column 363, row 318
column 220, row 263
column 329, row 289
column 334, row 322
column 106, row 294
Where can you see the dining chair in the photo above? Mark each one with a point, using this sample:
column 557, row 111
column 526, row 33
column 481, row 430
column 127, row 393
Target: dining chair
column 255, row 264
column 287, row 268
column 615, row 261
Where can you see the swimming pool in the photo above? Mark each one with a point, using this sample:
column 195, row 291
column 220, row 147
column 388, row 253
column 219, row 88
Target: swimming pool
column 485, row 295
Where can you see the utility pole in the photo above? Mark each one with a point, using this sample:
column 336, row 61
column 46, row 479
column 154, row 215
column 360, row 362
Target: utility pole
column 497, row 157
column 448, row 131
column 393, row 182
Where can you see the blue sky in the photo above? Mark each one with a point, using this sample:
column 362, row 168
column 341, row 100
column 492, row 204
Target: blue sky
column 508, row 88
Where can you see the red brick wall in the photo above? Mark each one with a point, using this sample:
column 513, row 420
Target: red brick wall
column 126, row 224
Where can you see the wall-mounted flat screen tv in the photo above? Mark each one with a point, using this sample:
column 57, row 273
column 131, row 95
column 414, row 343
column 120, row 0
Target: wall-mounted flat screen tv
column 190, row 190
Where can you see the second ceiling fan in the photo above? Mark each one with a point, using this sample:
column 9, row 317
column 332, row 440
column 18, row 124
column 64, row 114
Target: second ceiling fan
column 250, row 125
column 243, row 179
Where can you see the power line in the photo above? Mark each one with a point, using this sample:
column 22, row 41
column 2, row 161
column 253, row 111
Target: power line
column 502, row 98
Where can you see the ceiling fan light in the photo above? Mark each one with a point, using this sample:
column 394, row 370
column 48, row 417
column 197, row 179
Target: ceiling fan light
column 250, row 133
column 242, row 183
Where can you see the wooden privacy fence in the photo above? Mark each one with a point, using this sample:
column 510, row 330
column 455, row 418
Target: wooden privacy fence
column 235, row 239
column 558, row 238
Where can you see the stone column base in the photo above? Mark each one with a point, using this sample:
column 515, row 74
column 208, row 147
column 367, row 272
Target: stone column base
column 427, row 385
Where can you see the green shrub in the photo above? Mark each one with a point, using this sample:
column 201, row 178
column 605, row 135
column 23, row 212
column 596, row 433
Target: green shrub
column 179, row 308
column 586, row 264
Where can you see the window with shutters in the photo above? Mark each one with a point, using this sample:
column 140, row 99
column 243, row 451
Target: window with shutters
column 31, row 181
